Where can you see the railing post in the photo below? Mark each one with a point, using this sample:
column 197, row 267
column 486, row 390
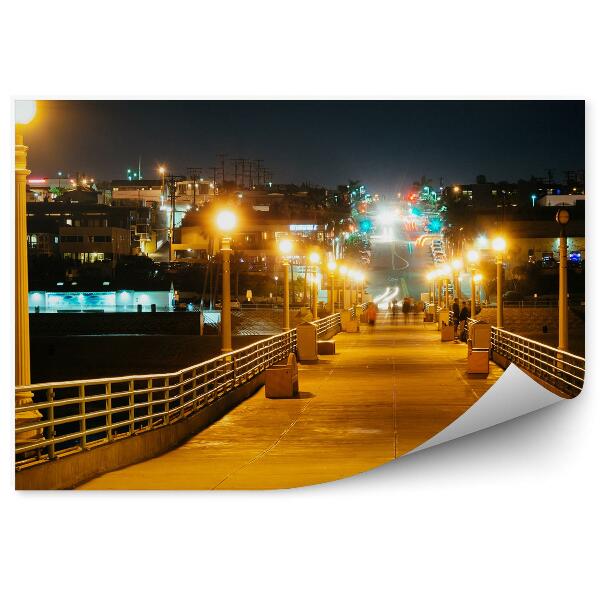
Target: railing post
column 108, row 406
column 181, row 397
column 195, row 390
column 131, row 406
column 167, row 395
column 82, row 421
column 51, row 432
column 150, row 400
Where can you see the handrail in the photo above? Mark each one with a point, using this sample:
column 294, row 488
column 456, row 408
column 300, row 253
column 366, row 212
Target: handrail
column 560, row 368
column 80, row 414
column 564, row 370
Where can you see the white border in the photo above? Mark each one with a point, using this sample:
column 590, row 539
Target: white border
column 511, row 512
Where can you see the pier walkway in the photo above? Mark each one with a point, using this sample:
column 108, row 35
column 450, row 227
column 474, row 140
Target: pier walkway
column 386, row 391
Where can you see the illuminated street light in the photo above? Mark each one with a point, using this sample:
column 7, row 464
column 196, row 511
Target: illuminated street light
column 562, row 218
column 344, row 273
column 430, row 278
column 457, row 266
column 24, row 113
column 445, row 272
column 315, row 259
column 285, row 247
column 331, row 267
column 473, row 257
column 499, row 245
column 226, row 221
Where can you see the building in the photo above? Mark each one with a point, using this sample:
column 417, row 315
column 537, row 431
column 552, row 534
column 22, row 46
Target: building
column 82, row 232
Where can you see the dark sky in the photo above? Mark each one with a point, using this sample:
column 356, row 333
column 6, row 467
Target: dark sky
column 385, row 144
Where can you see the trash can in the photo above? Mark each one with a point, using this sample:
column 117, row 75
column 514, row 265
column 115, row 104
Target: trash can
column 480, row 334
column 153, row 307
column 306, row 342
column 139, row 308
column 443, row 317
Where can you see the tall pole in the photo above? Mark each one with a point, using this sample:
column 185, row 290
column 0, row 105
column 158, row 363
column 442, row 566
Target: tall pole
column 344, row 294
column 226, row 301
column 315, row 299
column 332, row 294
column 473, row 303
column 446, row 294
column 563, row 315
column 499, row 291
column 22, row 357
column 286, row 295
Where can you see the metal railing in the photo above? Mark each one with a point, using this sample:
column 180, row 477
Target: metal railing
column 561, row 369
column 78, row 415
column 328, row 323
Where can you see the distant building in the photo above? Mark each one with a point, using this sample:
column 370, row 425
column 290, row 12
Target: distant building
column 83, row 232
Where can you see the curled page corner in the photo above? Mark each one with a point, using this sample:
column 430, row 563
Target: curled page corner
column 513, row 395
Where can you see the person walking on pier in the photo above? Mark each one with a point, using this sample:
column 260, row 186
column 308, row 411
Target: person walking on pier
column 455, row 317
column 406, row 309
column 371, row 313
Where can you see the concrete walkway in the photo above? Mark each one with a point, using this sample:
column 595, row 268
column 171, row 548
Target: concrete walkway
column 386, row 391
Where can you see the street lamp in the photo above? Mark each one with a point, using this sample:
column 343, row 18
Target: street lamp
column 562, row 218
column 473, row 258
column 315, row 259
column 344, row 273
column 285, row 247
column 331, row 267
column 477, row 279
column 499, row 245
column 360, row 279
column 445, row 271
column 226, row 222
column 457, row 266
column 24, row 113
column 162, row 170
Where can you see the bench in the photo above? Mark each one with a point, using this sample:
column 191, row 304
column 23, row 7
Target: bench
column 326, row 347
column 281, row 381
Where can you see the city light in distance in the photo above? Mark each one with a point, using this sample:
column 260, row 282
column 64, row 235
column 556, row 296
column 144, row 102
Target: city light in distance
column 473, row 256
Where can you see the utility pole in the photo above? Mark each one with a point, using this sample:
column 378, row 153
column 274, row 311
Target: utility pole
column 258, row 170
column 214, row 177
column 193, row 173
column 221, row 162
column 173, row 179
column 243, row 164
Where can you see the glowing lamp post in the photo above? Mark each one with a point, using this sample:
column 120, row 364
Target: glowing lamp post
column 499, row 245
column 477, row 279
column 430, row 279
column 457, row 266
column 315, row 259
column 562, row 218
column 446, row 271
column 161, row 171
column 285, row 247
column 473, row 257
column 331, row 267
column 344, row 273
column 226, row 222
column 360, row 280
column 24, row 114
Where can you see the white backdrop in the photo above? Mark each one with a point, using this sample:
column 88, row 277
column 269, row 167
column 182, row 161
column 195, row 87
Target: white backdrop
column 510, row 512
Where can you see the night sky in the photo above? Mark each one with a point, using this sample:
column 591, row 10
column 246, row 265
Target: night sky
column 385, row 144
